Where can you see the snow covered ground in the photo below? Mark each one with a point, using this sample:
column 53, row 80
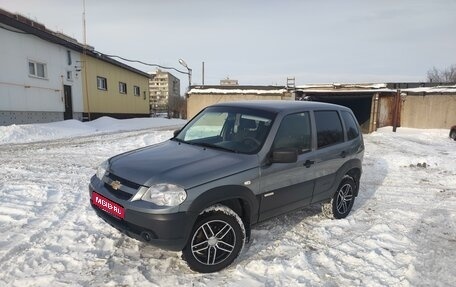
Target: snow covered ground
column 71, row 128
column 401, row 232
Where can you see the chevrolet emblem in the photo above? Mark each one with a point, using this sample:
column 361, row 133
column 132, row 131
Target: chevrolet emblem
column 116, row 185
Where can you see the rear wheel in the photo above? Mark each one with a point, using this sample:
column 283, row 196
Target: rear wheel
column 342, row 201
column 453, row 134
column 216, row 240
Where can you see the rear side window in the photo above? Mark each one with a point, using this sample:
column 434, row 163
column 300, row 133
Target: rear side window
column 351, row 125
column 329, row 128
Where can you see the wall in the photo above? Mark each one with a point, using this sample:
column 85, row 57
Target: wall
column 23, row 97
column 112, row 101
column 429, row 111
column 197, row 102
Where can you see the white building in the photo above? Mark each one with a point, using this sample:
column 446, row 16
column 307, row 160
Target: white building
column 40, row 79
column 163, row 88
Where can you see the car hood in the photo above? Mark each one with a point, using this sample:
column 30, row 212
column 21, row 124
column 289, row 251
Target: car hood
column 179, row 163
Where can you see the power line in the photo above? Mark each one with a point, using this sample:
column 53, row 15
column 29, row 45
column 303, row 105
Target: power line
column 115, row 56
column 147, row 64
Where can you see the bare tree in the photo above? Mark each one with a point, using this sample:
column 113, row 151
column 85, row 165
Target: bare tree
column 446, row 75
column 177, row 107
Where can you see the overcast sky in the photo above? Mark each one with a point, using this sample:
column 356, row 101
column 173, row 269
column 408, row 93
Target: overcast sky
column 264, row 42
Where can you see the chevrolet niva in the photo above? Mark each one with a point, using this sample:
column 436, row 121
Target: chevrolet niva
column 231, row 166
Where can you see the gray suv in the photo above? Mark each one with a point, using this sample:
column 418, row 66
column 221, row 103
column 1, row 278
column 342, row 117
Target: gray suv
column 232, row 165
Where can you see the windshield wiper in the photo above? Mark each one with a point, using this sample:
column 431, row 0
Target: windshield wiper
column 179, row 140
column 214, row 146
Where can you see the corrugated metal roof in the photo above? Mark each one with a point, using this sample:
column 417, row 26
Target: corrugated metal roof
column 372, row 88
column 347, row 91
column 431, row 90
column 237, row 90
column 366, row 86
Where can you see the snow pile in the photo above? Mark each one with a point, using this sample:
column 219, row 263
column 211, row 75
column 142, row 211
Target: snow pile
column 401, row 231
column 72, row 128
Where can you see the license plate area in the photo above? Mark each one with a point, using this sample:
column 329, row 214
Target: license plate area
column 108, row 206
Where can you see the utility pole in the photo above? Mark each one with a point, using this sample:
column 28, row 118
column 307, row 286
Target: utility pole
column 84, row 61
column 203, row 75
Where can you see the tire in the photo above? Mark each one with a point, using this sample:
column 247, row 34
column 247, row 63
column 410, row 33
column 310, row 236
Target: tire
column 216, row 240
column 453, row 134
column 342, row 201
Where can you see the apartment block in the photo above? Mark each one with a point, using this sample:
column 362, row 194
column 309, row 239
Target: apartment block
column 163, row 88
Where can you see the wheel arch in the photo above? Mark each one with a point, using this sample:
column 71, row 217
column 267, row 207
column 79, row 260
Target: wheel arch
column 237, row 197
column 355, row 173
column 352, row 168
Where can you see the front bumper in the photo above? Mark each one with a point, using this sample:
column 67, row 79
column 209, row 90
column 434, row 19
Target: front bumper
column 167, row 231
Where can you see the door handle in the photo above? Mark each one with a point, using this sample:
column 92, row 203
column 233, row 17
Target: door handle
column 308, row 163
column 343, row 154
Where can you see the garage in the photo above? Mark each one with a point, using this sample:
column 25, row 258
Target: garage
column 372, row 104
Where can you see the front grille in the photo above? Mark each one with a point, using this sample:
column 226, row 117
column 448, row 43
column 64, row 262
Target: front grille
column 124, row 181
column 119, row 193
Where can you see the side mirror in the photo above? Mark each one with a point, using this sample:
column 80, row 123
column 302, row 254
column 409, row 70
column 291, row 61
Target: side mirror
column 284, row 156
column 176, row 132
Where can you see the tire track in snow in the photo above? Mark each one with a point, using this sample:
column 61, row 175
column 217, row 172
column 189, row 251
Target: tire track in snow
column 64, row 197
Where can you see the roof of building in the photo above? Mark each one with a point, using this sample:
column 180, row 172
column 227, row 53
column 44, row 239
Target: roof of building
column 220, row 89
column 335, row 88
column 431, row 90
column 412, row 88
column 345, row 88
column 24, row 25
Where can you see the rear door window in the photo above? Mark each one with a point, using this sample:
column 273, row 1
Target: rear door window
column 329, row 128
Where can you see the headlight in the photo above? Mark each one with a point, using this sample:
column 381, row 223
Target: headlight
column 101, row 170
column 164, row 194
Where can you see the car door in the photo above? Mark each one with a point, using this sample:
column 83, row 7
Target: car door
column 331, row 152
column 286, row 186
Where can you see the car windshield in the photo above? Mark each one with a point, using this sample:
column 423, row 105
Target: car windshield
column 232, row 129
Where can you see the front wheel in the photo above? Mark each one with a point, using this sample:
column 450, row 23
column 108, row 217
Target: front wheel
column 216, row 240
column 342, row 201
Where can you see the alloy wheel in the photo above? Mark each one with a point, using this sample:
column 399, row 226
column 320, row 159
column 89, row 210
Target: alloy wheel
column 344, row 198
column 213, row 242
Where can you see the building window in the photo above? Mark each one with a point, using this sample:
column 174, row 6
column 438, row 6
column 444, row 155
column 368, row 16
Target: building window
column 136, row 91
column 69, row 76
column 69, row 57
column 122, row 88
column 102, row 84
column 37, row 69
